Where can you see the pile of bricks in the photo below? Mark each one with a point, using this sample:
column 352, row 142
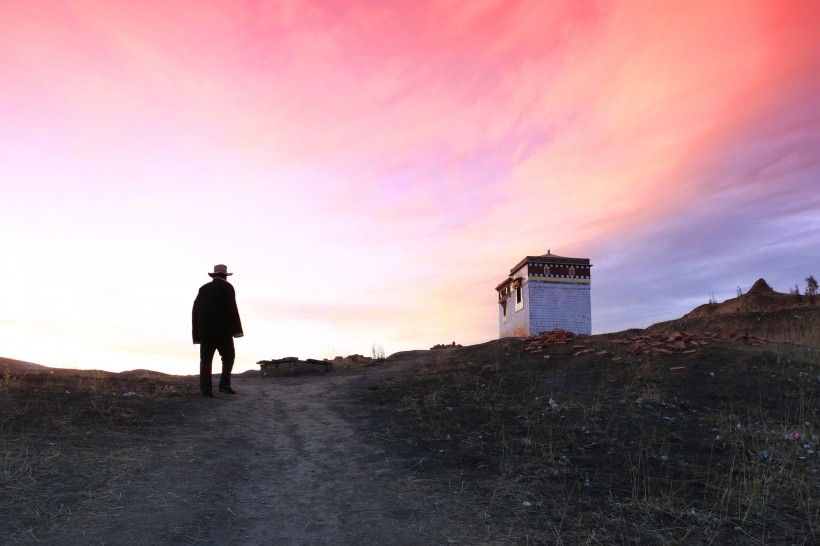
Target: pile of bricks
column 654, row 344
column 350, row 362
column 359, row 359
column 557, row 336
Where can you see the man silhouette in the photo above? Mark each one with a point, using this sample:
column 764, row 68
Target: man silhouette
column 215, row 323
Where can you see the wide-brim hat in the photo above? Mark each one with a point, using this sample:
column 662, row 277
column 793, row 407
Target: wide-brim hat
column 220, row 269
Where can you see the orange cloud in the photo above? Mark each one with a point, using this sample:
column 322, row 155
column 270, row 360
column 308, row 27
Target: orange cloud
column 397, row 158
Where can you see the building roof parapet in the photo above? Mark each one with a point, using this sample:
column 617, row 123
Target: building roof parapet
column 549, row 258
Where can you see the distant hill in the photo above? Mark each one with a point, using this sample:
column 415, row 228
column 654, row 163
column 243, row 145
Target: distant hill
column 17, row 366
column 761, row 312
column 144, row 373
column 760, row 297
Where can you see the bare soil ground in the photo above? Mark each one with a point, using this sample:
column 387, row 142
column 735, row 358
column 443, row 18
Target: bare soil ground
column 486, row 444
column 110, row 459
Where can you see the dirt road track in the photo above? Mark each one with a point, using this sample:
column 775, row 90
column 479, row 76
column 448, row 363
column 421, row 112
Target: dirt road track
column 285, row 461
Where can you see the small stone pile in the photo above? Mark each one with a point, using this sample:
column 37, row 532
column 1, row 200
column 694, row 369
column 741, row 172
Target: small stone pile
column 439, row 346
column 350, row 362
column 291, row 365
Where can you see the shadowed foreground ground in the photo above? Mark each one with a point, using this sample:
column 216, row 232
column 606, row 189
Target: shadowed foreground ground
column 283, row 462
column 488, row 444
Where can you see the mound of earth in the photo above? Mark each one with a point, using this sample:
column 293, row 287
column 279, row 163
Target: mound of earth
column 789, row 324
column 16, row 366
column 761, row 312
column 760, row 297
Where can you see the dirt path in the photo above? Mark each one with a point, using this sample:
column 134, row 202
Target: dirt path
column 285, row 461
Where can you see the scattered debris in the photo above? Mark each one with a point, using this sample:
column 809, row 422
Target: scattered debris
column 663, row 344
column 556, row 336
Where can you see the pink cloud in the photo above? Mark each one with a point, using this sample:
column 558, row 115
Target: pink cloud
column 411, row 151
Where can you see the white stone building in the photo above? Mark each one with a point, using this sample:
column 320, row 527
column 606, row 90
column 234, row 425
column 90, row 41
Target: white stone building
column 545, row 292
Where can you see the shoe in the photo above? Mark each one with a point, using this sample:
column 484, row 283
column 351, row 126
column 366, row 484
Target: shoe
column 208, row 394
column 227, row 390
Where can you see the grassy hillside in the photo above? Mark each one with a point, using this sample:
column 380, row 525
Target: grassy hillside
column 686, row 433
column 714, row 447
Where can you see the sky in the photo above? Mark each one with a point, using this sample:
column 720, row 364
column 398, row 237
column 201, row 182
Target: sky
column 371, row 170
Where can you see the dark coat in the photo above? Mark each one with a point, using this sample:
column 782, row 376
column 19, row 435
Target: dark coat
column 215, row 312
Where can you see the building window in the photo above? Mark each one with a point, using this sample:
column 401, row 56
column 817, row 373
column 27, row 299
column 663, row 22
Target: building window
column 504, row 312
column 519, row 300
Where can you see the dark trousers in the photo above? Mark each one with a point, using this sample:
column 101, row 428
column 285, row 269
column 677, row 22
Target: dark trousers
column 207, row 347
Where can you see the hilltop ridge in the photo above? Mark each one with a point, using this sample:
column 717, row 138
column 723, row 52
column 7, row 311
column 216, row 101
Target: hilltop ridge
column 761, row 312
column 760, row 297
